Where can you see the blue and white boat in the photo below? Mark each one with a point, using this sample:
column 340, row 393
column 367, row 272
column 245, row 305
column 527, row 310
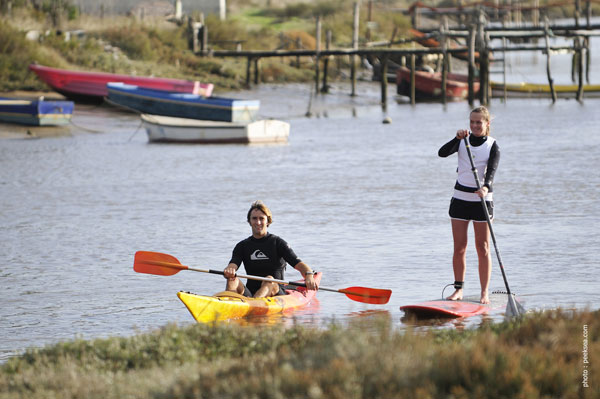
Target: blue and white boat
column 37, row 112
column 181, row 105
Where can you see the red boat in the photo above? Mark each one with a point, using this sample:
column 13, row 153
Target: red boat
column 91, row 86
column 428, row 85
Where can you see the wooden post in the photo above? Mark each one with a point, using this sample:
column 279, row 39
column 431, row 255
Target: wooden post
column 355, row 47
column 204, row 35
column 484, row 78
column 412, row 80
column 580, row 51
column 574, row 60
column 471, row 65
column 504, row 43
column 298, row 46
column 325, row 87
column 588, row 60
column 550, row 80
column 256, row 72
column 444, row 40
column 577, row 13
column 248, row 71
column 588, row 13
column 317, row 51
column 384, row 82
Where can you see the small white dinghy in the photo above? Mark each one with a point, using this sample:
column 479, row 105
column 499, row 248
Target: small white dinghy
column 167, row 129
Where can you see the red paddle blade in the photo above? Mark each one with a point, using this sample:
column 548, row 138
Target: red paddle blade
column 367, row 295
column 156, row 263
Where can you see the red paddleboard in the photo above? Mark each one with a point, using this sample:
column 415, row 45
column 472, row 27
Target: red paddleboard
column 445, row 309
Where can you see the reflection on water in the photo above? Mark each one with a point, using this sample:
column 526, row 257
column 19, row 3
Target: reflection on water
column 361, row 201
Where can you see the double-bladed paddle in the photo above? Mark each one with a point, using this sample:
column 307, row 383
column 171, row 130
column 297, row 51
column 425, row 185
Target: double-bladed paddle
column 513, row 308
column 167, row 265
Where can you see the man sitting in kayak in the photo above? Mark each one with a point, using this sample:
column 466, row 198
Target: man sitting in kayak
column 263, row 254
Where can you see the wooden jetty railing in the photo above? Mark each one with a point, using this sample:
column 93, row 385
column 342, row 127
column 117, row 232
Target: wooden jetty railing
column 383, row 54
column 478, row 36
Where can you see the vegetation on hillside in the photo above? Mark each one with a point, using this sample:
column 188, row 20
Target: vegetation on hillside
column 153, row 46
column 542, row 355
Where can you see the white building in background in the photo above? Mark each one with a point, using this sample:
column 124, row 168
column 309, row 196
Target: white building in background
column 217, row 7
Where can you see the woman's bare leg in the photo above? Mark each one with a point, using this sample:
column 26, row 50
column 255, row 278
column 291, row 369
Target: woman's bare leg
column 459, row 262
column 482, row 244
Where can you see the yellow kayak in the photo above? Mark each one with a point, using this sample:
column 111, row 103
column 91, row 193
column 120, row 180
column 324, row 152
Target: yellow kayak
column 230, row 305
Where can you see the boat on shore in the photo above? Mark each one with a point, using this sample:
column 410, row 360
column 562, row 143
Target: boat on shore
column 166, row 129
column 181, row 105
column 230, row 305
column 91, row 86
column 38, row 112
column 540, row 90
column 428, row 85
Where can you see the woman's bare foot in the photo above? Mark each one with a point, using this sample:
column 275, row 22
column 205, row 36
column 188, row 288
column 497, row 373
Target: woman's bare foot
column 485, row 299
column 457, row 296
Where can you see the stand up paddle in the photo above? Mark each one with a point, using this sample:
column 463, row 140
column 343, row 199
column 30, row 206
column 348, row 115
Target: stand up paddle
column 513, row 308
column 167, row 265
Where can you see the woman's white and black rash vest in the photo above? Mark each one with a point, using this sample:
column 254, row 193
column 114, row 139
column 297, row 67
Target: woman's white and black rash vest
column 486, row 155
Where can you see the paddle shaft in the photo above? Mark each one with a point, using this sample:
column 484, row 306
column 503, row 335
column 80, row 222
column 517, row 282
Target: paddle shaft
column 487, row 215
column 258, row 278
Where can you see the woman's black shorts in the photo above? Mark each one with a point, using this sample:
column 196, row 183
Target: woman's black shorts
column 467, row 210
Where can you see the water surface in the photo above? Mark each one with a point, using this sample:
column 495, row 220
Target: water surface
column 362, row 201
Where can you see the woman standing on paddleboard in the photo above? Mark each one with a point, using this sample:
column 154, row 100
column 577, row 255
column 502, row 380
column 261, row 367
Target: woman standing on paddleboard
column 466, row 204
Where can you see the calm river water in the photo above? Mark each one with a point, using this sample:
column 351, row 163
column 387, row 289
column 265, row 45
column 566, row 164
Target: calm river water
column 362, row 201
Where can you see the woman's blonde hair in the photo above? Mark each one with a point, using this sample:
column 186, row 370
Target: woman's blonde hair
column 486, row 115
column 258, row 204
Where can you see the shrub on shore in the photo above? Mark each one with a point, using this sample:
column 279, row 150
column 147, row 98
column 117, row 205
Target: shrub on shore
column 539, row 356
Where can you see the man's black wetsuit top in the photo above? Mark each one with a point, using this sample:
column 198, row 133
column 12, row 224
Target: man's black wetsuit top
column 263, row 257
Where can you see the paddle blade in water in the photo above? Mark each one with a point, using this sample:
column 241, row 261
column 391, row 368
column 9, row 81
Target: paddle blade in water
column 367, row 295
column 513, row 308
column 156, row 263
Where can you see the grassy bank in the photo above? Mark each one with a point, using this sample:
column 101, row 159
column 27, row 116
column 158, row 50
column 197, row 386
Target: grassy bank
column 541, row 356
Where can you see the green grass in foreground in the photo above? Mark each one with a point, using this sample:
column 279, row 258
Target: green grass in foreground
column 540, row 356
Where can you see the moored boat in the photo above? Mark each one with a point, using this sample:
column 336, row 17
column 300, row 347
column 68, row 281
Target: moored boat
column 229, row 305
column 182, row 130
column 182, row 105
column 38, row 112
column 428, row 85
column 541, row 90
column 91, row 86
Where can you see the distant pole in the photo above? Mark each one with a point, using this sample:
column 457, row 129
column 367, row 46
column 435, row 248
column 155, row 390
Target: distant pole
column 444, row 68
column 384, row 81
column 355, row 47
column 256, row 73
column 317, row 51
column 580, row 51
column 325, row 87
column 550, row 80
column 204, row 45
column 412, row 80
column 248, row 71
column 587, row 58
column 471, row 65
